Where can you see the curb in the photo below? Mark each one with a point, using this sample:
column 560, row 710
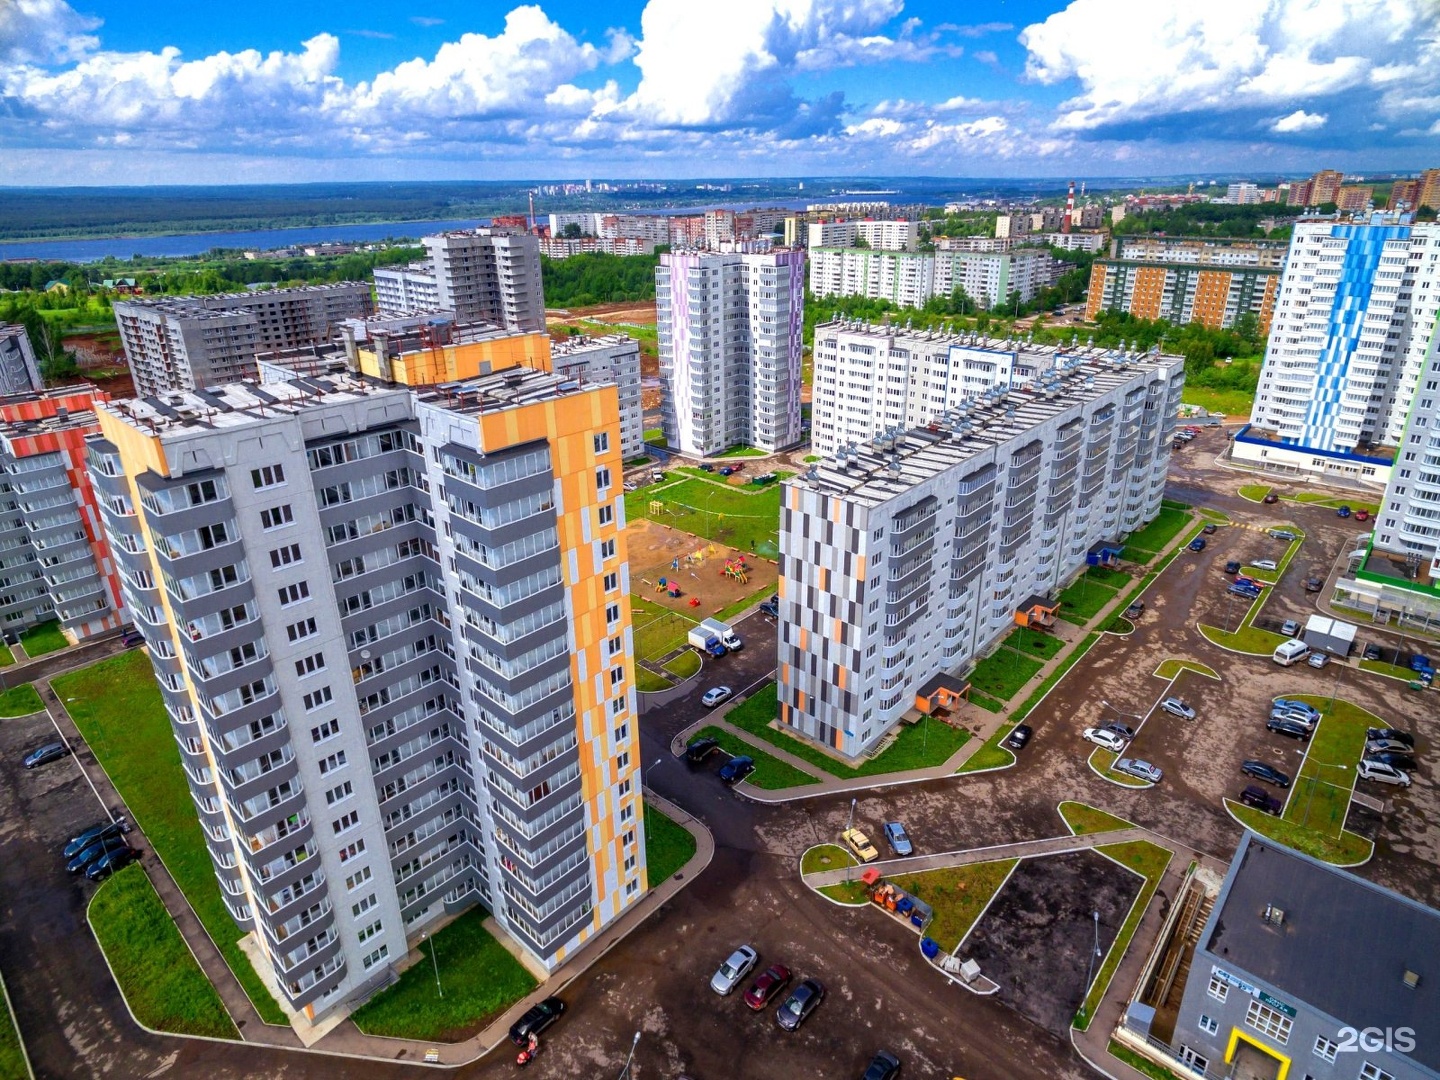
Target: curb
column 1225, row 802
column 15, row 1023
column 1139, row 785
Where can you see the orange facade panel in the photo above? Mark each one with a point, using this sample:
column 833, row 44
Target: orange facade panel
column 1212, row 292
column 1148, row 292
column 1095, row 300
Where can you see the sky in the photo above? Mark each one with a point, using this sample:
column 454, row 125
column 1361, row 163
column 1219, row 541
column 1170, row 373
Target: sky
column 167, row 91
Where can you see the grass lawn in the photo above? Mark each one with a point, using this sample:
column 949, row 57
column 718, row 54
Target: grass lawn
column 824, row 857
column 668, row 846
column 1149, row 861
column 743, row 517
column 992, row 755
column 729, row 611
column 1254, row 492
column 1038, row 694
column 1347, row 849
column 647, row 682
column 1228, row 402
column 1394, row 671
column 1334, row 502
column 117, row 707
column 1246, row 640
column 1153, row 537
column 1118, row 624
column 1082, row 601
column 13, row 1065
column 480, row 980
column 1101, row 761
column 1169, row 669
column 958, row 896
column 21, row 700
column 42, row 639
column 742, row 451
column 6, row 656
column 986, row 702
column 1111, row 579
column 684, row 665
column 1003, row 674
column 161, row 981
column 1027, row 642
column 851, row 893
column 810, row 459
column 1213, row 515
column 1084, row 819
column 658, row 630
column 654, row 434
column 770, row 772
column 919, row 746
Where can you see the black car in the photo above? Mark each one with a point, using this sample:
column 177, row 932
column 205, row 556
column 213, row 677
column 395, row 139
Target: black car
column 1135, row 610
column 1391, row 734
column 1314, row 584
column 1209, row 529
column 536, row 1019
column 800, row 1004
column 1398, row 761
column 1198, row 544
column 42, row 755
column 1268, row 773
column 101, row 831
column 1019, row 737
column 1372, row 652
column 1233, row 566
column 83, row 858
column 700, row 749
column 111, row 861
column 771, row 607
column 1284, row 725
column 737, row 768
column 131, row 638
column 1261, row 799
column 1125, row 731
column 883, row 1066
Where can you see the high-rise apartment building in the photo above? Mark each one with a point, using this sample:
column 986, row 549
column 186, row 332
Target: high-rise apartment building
column 611, row 358
column 1354, row 199
column 1323, row 187
column 19, row 371
column 1242, row 194
column 882, row 235
column 1404, row 195
column 406, row 290
column 1353, row 320
column 55, row 562
column 729, row 328
column 904, row 559
column 909, row 279
column 1429, row 194
column 458, row 555
column 489, row 275
column 186, row 343
column 1188, row 279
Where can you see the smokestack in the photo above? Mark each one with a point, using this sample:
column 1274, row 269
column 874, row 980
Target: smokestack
column 1069, row 209
column 532, row 210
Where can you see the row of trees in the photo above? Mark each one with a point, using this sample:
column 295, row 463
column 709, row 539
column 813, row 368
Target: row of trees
column 597, row 278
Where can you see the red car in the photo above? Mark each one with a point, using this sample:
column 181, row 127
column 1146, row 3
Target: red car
column 1362, row 515
column 774, row 979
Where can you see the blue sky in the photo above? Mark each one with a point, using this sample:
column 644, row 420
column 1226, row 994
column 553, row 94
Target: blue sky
column 161, row 90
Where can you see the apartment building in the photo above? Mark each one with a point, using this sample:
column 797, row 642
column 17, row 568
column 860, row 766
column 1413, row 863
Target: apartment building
column 1073, row 241
column 406, row 290
column 1214, row 295
column 489, row 275
column 19, row 371
column 1012, row 225
column 1201, row 251
column 1429, row 194
column 613, row 359
column 1354, row 199
column 185, row 343
column 729, row 328
column 1242, row 194
column 1323, row 187
column 980, row 243
column 904, row 559
column 565, row 247
column 458, row 555
column 909, row 279
column 1353, row 321
column 588, row 223
column 871, row 378
column 719, row 227
column 992, row 279
column 55, row 563
column 882, row 235
column 652, row 227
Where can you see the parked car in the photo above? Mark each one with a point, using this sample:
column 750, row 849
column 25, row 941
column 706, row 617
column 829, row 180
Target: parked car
column 1262, row 771
column 770, row 982
column 1362, row 515
column 1177, row 707
column 803, row 1000
column 43, row 755
column 1135, row 610
column 1287, row 726
column 1247, row 591
column 1372, row 652
column 737, row 768
column 86, row 856
column 631, row 485
column 700, row 749
column 1314, row 584
column 1119, row 727
column 1141, row 770
column 536, row 1019
column 1232, row 566
column 1261, row 799
column 715, row 696
column 707, row 466
column 1283, row 534
column 1400, row 761
column 1390, row 733
column 1289, row 628
column 1020, row 737
column 729, row 470
column 771, row 607
column 1104, row 738
column 101, row 831
column 1343, row 512
column 1271, row 498
column 1198, row 544
column 896, row 838
column 734, row 968
column 1296, row 705
column 132, row 637
column 1209, row 529
column 1318, row 659
column 112, row 860
column 1381, row 773
column 1251, row 582
column 859, row 845
column 1265, row 564
column 883, row 1066
column 1305, row 720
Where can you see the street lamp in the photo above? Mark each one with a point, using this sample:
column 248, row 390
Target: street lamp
column 1093, row 957
column 850, row 824
column 656, row 762
column 630, row 1058
column 423, row 938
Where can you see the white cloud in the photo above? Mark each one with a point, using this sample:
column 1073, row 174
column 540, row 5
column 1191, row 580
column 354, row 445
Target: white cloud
column 1299, row 120
column 1183, row 57
column 44, row 31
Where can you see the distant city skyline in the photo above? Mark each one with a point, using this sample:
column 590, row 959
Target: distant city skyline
column 109, row 93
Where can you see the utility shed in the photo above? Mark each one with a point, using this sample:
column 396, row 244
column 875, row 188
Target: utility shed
column 1330, row 635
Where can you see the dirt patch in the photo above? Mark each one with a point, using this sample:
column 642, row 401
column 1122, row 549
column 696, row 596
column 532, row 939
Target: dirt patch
column 1038, row 937
column 654, row 551
column 637, row 311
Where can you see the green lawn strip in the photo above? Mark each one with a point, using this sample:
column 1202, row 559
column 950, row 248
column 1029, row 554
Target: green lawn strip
column 918, row 746
column 42, row 639
column 1223, row 402
column 986, row 702
column 6, row 656
column 116, row 705
column 850, row 893
column 992, row 755
column 729, row 611
column 1109, row 577
column 1172, row 667
column 647, row 682
column 1084, row 600
column 684, row 665
column 1348, row 849
column 770, row 773
column 657, row 630
column 1320, row 795
column 824, row 857
column 1083, row 819
column 477, row 975
column 1176, row 504
column 1038, row 694
column 1029, row 642
column 1004, row 673
column 1333, row 502
column 654, row 434
column 1118, row 624
column 958, row 895
column 1102, row 760
column 810, row 459
column 1149, row 861
column 1213, row 515
column 20, row 700
column 161, row 980
column 13, row 1064
column 668, row 845
column 1393, row 671
column 742, row 452
column 1160, row 531
column 1254, row 492
column 1141, row 1064
column 1245, row 640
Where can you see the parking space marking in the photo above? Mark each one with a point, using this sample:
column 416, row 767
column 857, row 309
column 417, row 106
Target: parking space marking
column 75, row 757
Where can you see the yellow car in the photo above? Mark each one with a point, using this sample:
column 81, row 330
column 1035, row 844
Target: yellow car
column 860, row 844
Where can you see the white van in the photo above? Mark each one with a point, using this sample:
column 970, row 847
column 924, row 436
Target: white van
column 1291, row 652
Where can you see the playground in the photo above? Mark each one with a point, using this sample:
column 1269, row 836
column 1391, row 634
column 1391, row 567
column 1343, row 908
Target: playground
column 740, row 517
column 700, row 577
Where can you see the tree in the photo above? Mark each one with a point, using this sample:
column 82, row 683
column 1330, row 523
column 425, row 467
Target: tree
column 572, row 231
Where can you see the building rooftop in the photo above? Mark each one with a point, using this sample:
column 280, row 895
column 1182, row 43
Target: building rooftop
column 506, row 389
column 573, row 346
column 199, row 303
column 185, row 413
column 1333, row 940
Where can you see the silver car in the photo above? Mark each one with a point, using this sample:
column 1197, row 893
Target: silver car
column 715, row 695
column 1141, row 770
column 733, row 971
column 1108, row 740
column 1176, row 707
column 1382, row 773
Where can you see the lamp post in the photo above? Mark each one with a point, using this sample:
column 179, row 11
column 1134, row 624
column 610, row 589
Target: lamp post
column 435, row 962
column 1093, row 957
column 630, row 1058
column 850, row 824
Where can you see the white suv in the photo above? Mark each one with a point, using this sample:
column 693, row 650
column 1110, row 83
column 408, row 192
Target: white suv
column 1107, row 739
column 1382, row 773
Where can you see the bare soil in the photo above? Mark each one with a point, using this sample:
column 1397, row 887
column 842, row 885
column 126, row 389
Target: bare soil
column 653, row 551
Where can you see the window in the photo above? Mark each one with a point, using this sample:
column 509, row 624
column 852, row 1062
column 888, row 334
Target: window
column 302, row 629
column 370, row 931
column 627, row 813
column 327, row 730
column 617, row 676
column 1219, row 989
column 1209, row 1025
column 364, row 905
column 1374, row 1072
column 267, row 476
column 612, row 614
column 614, row 646
column 629, row 863
column 607, row 515
column 276, row 516
column 1268, row 1021
column 355, row 880
column 376, row 956
column 607, row 549
column 612, row 582
column 632, row 887
column 1325, row 1050
column 628, row 838
column 333, row 762
column 624, row 788
column 617, row 705
column 622, row 763
column 293, row 594
column 602, row 443
column 316, row 698
column 339, row 794
column 622, row 733
column 602, row 478
column 284, row 556
column 348, row 821
column 310, row 664
column 352, row 849
column 1196, row 1063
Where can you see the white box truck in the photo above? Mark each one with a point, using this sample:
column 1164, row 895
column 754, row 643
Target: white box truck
column 708, row 633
